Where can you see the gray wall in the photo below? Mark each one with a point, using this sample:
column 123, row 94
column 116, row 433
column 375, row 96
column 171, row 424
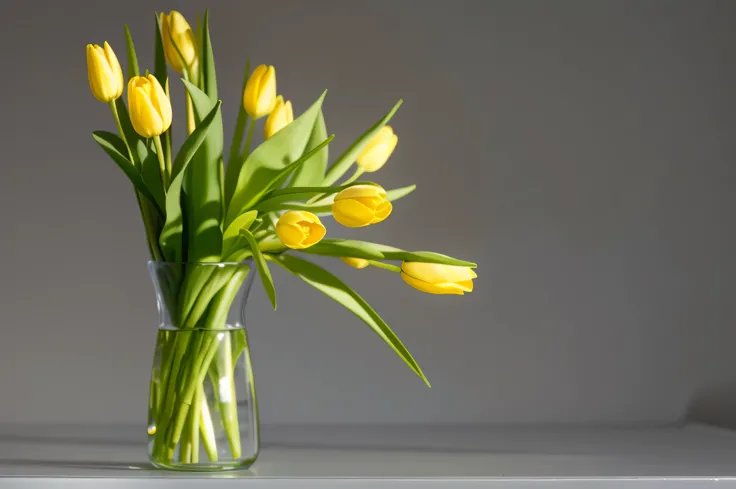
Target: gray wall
column 581, row 151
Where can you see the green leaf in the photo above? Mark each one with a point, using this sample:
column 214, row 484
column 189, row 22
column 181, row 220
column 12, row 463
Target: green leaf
column 151, row 173
column 267, row 161
column 115, row 148
column 341, row 165
column 232, row 233
column 234, row 162
column 208, row 60
column 272, row 200
column 398, row 193
column 133, row 69
column 159, row 58
column 334, row 288
column 313, row 171
column 263, row 270
column 131, row 136
column 171, row 236
column 204, row 183
column 374, row 251
column 281, row 177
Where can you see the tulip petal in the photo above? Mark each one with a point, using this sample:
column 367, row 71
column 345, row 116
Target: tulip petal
column 432, row 288
column 115, row 69
column 252, row 89
column 161, row 102
column 382, row 212
column 291, row 235
column 357, row 191
column 352, row 213
column 316, row 232
column 436, row 273
column 150, row 121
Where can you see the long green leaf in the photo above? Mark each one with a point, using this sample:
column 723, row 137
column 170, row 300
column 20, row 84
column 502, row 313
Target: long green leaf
column 273, row 199
column 232, row 234
column 159, row 58
column 204, row 184
column 374, row 251
column 171, row 236
column 151, row 173
column 234, row 162
column 341, row 165
column 208, row 60
column 312, row 172
column 323, row 207
column 133, row 69
column 334, row 288
column 263, row 270
column 267, row 161
column 115, row 148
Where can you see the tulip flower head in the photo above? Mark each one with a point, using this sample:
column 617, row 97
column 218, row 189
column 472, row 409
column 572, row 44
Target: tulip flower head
column 281, row 115
column 438, row 279
column 259, row 97
column 104, row 73
column 355, row 262
column 150, row 108
column 180, row 44
column 361, row 205
column 378, row 150
column 299, row 229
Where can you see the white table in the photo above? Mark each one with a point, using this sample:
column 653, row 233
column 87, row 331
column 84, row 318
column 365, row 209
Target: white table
column 308, row 457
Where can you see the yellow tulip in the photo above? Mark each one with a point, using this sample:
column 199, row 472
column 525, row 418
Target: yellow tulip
column 104, row 73
column 259, row 96
column 281, row 115
column 150, row 108
column 378, row 150
column 438, row 279
column 178, row 34
column 299, row 229
column 361, row 205
column 355, row 262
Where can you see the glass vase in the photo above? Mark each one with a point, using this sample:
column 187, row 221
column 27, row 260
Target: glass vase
column 202, row 411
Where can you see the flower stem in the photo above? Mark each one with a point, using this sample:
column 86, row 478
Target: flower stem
column 161, row 161
column 385, row 266
column 358, row 172
column 246, row 150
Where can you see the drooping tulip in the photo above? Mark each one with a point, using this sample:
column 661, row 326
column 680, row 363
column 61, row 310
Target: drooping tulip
column 281, row 115
column 180, row 43
column 378, row 150
column 438, row 279
column 259, row 96
column 149, row 107
column 299, row 229
column 361, row 205
column 104, row 73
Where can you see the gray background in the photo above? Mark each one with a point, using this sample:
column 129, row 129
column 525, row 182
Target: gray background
column 581, row 151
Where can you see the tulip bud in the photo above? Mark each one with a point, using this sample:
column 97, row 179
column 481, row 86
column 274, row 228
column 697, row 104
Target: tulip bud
column 378, row 150
column 361, row 205
column 438, row 279
column 178, row 34
column 259, row 96
column 299, row 229
column 281, row 115
column 149, row 107
column 355, row 262
column 104, row 73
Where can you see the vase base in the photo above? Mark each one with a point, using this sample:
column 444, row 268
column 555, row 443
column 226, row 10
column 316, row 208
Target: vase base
column 205, row 467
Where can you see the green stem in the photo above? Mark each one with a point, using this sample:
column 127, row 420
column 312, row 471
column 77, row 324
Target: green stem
column 194, row 417
column 385, row 266
column 246, row 150
column 207, row 430
column 358, row 172
column 240, row 125
column 271, row 245
column 161, row 161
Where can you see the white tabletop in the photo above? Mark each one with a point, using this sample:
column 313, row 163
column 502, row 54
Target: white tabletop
column 325, row 457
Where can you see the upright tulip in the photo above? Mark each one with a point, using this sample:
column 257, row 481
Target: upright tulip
column 281, row 115
column 104, row 73
column 150, row 108
column 378, row 150
column 259, row 96
column 355, row 262
column 299, row 229
column 361, row 205
column 438, row 279
column 178, row 34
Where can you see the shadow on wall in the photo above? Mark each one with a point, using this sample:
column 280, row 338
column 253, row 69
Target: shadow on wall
column 714, row 405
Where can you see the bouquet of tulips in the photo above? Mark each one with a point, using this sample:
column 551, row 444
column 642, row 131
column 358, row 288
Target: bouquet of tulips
column 205, row 203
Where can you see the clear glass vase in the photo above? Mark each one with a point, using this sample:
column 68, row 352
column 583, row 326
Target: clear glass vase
column 202, row 411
